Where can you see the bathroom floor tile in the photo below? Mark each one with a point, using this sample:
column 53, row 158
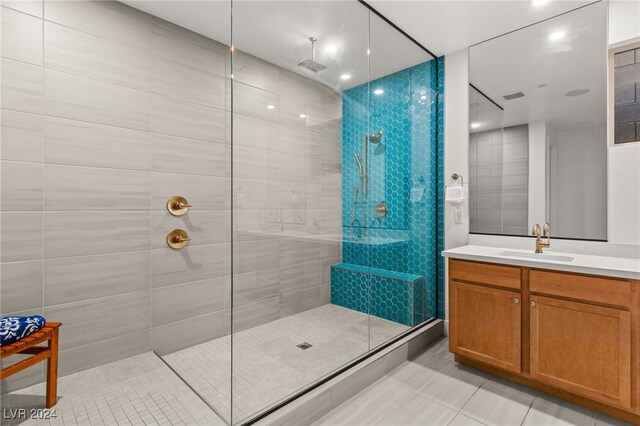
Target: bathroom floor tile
column 497, row 404
column 137, row 390
column 267, row 364
column 556, row 412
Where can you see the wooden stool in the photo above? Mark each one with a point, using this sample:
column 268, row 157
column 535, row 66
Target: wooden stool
column 27, row 345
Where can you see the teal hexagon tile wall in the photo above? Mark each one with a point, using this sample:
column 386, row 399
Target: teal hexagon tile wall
column 404, row 171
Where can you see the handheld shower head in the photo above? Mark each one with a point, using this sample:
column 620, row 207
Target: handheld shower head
column 360, row 169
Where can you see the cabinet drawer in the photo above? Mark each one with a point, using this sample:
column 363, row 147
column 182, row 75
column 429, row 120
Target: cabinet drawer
column 485, row 273
column 589, row 288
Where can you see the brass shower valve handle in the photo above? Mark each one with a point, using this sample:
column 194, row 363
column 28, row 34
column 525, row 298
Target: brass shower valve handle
column 178, row 239
column 178, row 205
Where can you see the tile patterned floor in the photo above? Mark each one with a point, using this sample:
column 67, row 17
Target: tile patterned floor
column 434, row 390
column 268, row 366
column 140, row 390
column 431, row 390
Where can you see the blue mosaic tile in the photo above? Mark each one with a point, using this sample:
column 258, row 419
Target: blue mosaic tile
column 405, row 172
column 390, row 295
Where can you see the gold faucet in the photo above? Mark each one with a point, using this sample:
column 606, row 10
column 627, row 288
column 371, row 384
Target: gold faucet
column 546, row 232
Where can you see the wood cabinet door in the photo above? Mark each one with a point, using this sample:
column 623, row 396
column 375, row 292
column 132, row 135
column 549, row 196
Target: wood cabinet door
column 582, row 348
column 485, row 324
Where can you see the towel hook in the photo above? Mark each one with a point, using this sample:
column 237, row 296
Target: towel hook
column 455, row 176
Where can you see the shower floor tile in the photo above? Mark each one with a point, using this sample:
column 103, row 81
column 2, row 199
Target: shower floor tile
column 267, row 364
column 140, row 390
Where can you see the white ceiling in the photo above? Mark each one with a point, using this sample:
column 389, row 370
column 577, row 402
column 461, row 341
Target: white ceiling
column 526, row 59
column 279, row 31
column 447, row 26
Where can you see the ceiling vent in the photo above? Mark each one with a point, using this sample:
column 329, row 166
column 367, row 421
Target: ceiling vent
column 512, row 96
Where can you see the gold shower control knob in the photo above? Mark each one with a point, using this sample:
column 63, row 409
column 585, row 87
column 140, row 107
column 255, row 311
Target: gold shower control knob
column 178, row 205
column 178, row 239
column 381, row 209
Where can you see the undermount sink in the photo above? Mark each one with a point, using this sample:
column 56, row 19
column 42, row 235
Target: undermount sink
column 537, row 256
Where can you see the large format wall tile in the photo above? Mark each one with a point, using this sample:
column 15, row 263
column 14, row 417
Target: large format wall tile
column 254, row 102
column 20, row 186
column 202, row 192
column 84, row 233
column 177, row 335
column 71, row 279
column 21, row 286
column 204, row 227
column 255, row 72
column 32, row 7
column 21, row 136
column 21, row 37
column 177, row 117
column 254, row 314
column 22, row 86
column 80, row 53
column 174, row 79
column 182, row 301
column 111, row 20
column 84, row 144
column 71, row 188
column 188, row 156
column 20, row 236
column 255, row 286
column 193, row 263
column 103, row 352
column 84, row 99
column 178, row 44
column 93, row 320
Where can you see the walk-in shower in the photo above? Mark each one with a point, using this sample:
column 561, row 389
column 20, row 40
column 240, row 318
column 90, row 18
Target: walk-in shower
column 200, row 197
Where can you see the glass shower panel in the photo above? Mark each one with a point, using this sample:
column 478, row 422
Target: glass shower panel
column 402, row 158
column 291, row 63
column 191, row 146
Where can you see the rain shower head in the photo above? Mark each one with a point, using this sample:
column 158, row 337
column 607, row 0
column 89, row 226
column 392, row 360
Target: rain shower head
column 311, row 64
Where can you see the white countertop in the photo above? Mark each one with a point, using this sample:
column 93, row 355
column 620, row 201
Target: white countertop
column 581, row 263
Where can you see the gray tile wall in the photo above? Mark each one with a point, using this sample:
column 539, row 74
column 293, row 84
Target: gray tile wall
column 106, row 113
column 498, row 184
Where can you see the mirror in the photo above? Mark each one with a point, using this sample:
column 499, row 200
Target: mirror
column 538, row 128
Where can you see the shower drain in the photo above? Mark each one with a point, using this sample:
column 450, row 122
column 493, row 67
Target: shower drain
column 304, row 345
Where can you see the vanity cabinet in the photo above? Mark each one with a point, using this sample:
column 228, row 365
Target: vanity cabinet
column 581, row 348
column 572, row 335
column 485, row 313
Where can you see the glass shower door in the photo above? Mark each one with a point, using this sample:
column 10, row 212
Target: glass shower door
column 291, row 63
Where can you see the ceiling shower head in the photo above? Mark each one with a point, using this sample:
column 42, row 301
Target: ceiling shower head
column 311, row 64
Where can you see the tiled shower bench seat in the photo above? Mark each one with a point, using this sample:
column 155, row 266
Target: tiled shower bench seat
column 395, row 296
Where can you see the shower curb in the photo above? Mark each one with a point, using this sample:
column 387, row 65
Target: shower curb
column 312, row 406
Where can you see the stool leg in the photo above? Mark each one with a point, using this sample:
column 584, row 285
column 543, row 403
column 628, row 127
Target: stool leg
column 52, row 370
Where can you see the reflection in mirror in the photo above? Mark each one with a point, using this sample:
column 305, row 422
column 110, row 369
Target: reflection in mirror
column 538, row 135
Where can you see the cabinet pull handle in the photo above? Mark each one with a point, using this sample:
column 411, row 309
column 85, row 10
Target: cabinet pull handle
column 516, row 300
column 533, row 304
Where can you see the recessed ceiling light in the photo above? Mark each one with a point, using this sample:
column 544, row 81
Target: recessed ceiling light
column 475, row 125
column 378, row 92
column 345, row 76
column 539, row 2
column 423, row 97
column 270, row 106
column 557, row 35
column 331, row 48
column 303, row 116
column 577, row 92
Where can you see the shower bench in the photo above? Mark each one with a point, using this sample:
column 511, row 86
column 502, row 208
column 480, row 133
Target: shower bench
column 27, row 346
